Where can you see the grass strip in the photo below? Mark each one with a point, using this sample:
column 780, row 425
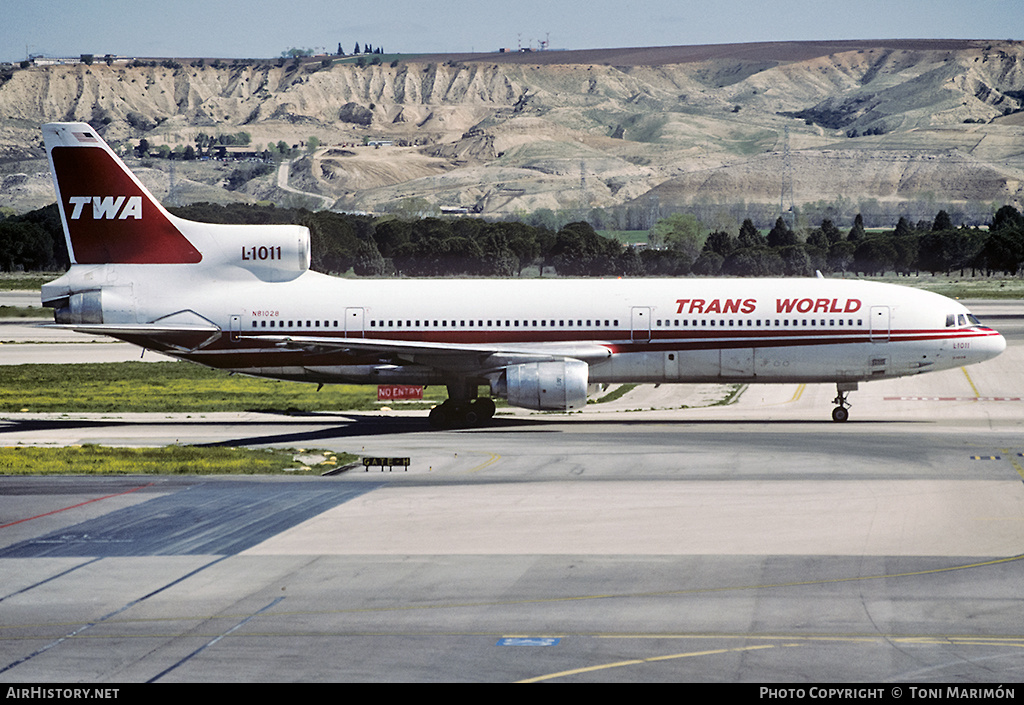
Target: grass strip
column 169, row 460
column 174, row 387
column 25, row 312
column 616, row 393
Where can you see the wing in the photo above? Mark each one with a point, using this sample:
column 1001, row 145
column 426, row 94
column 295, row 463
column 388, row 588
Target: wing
column 451, row 356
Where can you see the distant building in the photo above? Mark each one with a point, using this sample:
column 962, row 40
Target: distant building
column 54, row 60
column 81, row 59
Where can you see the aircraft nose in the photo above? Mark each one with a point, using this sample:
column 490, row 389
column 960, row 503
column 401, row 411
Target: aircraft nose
column 990, row 346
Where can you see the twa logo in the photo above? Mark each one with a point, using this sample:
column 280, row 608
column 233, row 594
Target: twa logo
column 108, row 207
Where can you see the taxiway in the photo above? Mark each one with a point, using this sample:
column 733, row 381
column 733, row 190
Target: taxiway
column 755, row 542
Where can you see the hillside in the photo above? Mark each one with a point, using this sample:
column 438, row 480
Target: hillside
column 887, row 127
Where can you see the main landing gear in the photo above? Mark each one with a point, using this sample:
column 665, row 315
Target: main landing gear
column 841, row 413
column 461, row 414
column 462, row 409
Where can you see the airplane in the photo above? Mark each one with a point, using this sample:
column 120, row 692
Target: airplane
column 242, row 298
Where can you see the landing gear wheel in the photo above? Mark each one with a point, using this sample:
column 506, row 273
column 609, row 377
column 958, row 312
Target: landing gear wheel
column 470, row 416
column 842, row 411
column 440, row 418
column 485, row 408
column 461, row 414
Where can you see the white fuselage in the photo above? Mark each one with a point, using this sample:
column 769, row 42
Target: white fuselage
column 665, row 330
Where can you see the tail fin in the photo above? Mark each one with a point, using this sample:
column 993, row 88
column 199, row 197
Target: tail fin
column 109, row 217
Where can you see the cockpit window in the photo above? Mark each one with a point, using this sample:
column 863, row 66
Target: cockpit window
column 961, row 320
column 974, row 321
column 950, row 320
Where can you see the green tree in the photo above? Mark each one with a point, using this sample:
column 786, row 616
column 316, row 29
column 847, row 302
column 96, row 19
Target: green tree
column 682, row 233
column 579, row 251
column 749, row 235
column 720, row 243
column 709, row 264
column 875, row 255
column 1005, row 218
column 25, row 246
column 753, row 262
column 942, row 222
column 857, row 232
column 1003, row 251
column 903, row 228
column 781, row 235
column 796, row 261
column 840, row 256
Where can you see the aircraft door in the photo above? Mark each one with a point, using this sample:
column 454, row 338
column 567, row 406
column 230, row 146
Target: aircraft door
column 640, row 317
column 354, row 321
column 879, row 324
column 737, row 362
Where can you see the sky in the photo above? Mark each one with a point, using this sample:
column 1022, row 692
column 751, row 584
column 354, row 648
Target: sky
column 266, row 28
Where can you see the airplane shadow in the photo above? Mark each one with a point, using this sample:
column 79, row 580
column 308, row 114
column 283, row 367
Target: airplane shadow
column 304, row 428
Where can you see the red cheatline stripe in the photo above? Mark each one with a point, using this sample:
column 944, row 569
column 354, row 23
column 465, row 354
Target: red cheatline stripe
column 80, row 504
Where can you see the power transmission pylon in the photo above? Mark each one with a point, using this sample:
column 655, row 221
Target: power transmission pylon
column 787, row 183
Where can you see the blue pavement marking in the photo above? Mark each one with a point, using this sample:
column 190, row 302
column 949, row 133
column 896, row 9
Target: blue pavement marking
column 528, row 641
column 214, row 518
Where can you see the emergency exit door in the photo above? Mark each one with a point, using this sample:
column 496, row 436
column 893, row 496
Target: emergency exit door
column 879, row 324
column 354, row 322
column 640, row 323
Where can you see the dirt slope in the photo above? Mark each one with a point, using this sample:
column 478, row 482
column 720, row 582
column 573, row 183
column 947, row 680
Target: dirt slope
column 884, row 121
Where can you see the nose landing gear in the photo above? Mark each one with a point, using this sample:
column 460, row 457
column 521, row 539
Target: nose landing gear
column 841, row 413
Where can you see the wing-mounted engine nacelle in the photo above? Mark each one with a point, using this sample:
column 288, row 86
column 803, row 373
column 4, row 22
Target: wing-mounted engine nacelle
column 556, row 385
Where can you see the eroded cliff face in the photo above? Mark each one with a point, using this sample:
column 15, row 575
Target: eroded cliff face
column 876, row 122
